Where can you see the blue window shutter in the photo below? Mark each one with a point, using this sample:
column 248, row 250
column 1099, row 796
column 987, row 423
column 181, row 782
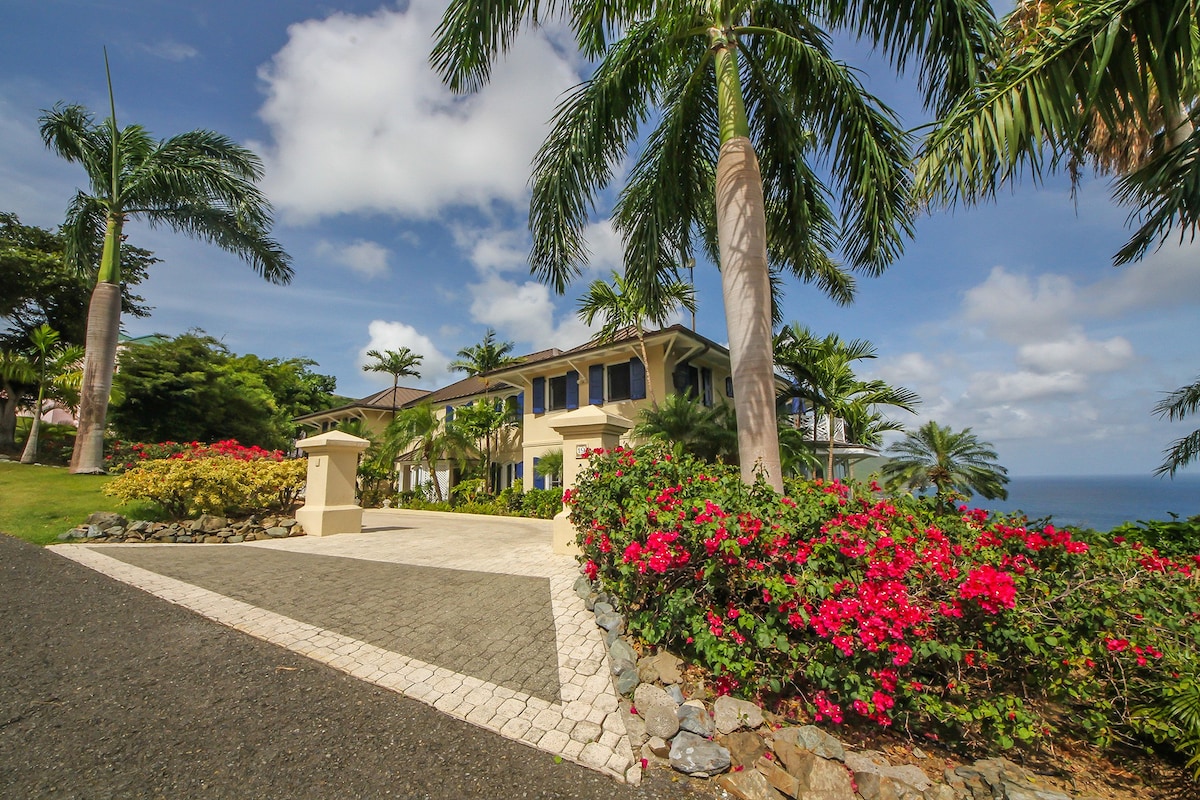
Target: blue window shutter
column 520, row 404
column 539, row 395
column 572, row 390
column 596, row 384
column 729, row 387
column 706, row 385
column 520, row 470
column 449, row 413
column 539, row 480
column 795, row 405
column 637, row 379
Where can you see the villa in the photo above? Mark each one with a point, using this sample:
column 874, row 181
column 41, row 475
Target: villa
column 547, row 384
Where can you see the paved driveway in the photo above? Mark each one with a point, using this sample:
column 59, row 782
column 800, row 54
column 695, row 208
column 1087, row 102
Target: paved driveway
column 472, row 615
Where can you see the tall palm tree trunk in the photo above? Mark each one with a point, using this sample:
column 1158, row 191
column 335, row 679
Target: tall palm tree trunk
column 646, row 364
column 29, row 454
column 745, row 278
column 103, row 326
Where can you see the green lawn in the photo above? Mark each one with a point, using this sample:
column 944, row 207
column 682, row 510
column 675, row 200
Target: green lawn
column 38, row 503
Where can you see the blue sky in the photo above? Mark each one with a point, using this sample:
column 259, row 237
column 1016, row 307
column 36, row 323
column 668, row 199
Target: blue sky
column 405, row 210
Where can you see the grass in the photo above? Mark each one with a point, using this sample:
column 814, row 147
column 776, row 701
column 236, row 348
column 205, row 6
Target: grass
column 38, row 503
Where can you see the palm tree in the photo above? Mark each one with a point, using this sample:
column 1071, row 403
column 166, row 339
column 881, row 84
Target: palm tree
column 624, row 304
column 1113, row 82
column 743, row 94
column 51, row 362
column 419, row 426
column 397, row 363
column 1180, row 403
column 16, row 376
column 477, row 360
column 950, row 461
column 199, row 183
column 682, row 422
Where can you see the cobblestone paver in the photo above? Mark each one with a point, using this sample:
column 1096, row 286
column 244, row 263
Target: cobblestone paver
column 474, row 616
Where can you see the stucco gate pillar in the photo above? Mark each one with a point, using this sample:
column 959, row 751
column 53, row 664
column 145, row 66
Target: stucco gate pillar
column 582, row 430
column 329, row 505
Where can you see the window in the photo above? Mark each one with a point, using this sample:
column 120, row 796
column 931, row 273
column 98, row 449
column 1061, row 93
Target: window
column 619, row 387
column 692, row 382
column 558, row 393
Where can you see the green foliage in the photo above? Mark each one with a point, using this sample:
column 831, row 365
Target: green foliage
column 1181, row 403
column 217, row 480
column 955, row 463
column 550, row 464
column 542, row 503
column 1174, row 538
column 192, row 388
column 479, row 359
column 884, row 608
column 684, row 423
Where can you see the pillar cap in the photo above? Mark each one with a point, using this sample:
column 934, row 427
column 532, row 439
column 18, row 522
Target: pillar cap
column 590, row 417
column 333, row 440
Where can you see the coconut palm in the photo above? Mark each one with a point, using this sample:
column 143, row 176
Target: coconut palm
column 52, row 364
column 1180, row 403
column 952, row 462
column 1111, row 82
column 420, row 427
column 199, row 183
column 477, row 360
column 17, row 375
column 623, row 304
column 742, row 96
column 397, row 363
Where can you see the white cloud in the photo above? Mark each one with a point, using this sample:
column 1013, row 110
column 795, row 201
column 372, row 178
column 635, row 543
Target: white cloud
column 1011, row 387
column 1076, row 353
column 1017, row 308
column 1164, row 279
column 368, row 259
column 386, row 335
column 524, row 312
column 171, row 50
column 360, row 122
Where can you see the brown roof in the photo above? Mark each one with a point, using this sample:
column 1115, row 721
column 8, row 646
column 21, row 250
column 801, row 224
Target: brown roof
column 381, row 400
column 474, row 385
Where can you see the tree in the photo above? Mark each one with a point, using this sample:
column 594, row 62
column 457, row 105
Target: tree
column 478, row 360
column 397, row 363
column 192, row 388
column 41, row 289
column 624, row 304
column 419, row 426
column 682, row 422
column 17, row 376
column 950, row 461
column 1110, row 82
column 550, row 465
column 1178, row 404
column 486, row 421
column 199, row 183
column 52, row 361
column 743, row 96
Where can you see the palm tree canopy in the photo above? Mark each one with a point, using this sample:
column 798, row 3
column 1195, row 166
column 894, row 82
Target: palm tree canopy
column 199, row 183
column 397, row 363
column 623, row 304
column 1066, row 71
column 655, row 69
column 948, row 460
column 684, row 423
column 1181, row 403
column 488, row 355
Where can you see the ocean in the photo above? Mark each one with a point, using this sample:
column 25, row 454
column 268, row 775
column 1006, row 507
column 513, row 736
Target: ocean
column 1099, row 502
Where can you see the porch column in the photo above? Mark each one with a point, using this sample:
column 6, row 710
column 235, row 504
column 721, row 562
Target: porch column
column 584, row 429
column 329, row 505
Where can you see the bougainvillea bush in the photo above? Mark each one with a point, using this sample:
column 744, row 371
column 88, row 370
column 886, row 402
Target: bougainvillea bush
column 865, row 607
column 221, row 478
column 122, row 455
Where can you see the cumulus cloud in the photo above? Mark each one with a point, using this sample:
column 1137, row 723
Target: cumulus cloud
column 1076, row 353
column 359, row 122
column 385, row 335
column 524, row 312
column 171, row 50
column 368, row 259
column 1019, row 308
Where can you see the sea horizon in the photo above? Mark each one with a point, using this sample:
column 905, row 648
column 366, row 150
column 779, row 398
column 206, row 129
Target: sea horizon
column 1101, row 502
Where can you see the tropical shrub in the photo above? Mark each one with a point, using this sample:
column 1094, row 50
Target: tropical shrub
column 223, row 478
column 542, row 503
column 1173, row 538
column 983, row 630
column 122, row 455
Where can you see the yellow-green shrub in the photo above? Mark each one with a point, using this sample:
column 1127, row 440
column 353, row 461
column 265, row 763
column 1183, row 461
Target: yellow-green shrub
column 214, row 485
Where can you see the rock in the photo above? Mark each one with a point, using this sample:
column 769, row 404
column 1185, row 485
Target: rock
column 602, row 607
column 731, row 714
column 919, row 753
column 276, row 532
column 609, row 621
column 167, row 538
column 693, row 717
column 635, row 726
column 649, row 696
column 694, row 755
column 745, row 748
column 812, row 738
column 106, row 519
column 213, row 540
column 876, row 763
column 748, row 785
column 675, row 693
column 288, row 523
column 940, row 791
column 659, row 746
column 816, row 778
column 660, row 722
column 183, row 539
column 614, row 634
column 115, row 530
column 778, row 777
column 589, row 602
column 873, row 786
column 625, row 676
column 140, row 526
column 662, row 667
column 620, row 649
column 209, row 523
column 237, row 537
